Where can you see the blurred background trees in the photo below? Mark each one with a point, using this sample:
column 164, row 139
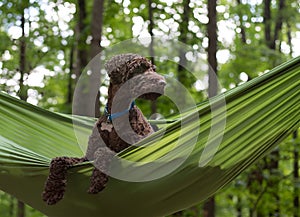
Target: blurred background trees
column 45, row 44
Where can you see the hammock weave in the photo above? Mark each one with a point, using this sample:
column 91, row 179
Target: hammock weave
column 258, row 116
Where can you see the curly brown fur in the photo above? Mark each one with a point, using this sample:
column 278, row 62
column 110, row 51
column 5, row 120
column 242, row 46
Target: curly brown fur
column 57, row 180
column 120, row 69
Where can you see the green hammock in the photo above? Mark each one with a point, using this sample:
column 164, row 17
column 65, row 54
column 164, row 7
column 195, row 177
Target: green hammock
column 259, row 115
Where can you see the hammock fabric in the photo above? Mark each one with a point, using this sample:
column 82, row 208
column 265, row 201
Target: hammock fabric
column 258, row 115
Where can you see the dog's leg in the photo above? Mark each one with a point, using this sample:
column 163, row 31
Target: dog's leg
column 99, row 178
column 56, row 183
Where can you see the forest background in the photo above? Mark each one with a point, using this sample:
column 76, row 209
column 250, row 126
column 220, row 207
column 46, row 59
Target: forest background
column 46, row 44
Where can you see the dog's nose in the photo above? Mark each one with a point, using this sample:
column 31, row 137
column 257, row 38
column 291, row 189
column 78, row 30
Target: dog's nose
column 162, row 82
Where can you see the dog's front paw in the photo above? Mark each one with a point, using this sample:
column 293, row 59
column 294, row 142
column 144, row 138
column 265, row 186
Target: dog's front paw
column 54, row 191
column 56, row 183
column 98, row 181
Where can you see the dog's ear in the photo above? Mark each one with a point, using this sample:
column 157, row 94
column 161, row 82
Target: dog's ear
column 138, row 66
column 117, row 67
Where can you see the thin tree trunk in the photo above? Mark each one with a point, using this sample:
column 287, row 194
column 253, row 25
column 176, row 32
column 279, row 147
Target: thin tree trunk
column 289, row 36
column 212, row 48
column 70, row 81
column 209, row 206
column 22, row 92
column 21, row 209
column 243, row 31
column 150, row 29
column 151, row 46
column 96, row 32
column 267, row 22
column 81, row 60
column 239, row 207
column 81, row 105
column 274, row 183
column 278, row 25
column 275, row 155
column 96, row 27
column 87, row 92
column 273, row 166
column 183, row 29
column 296, row 176
column 80, row 15
column 255, row 186
column 11, row 206
column 182, row 74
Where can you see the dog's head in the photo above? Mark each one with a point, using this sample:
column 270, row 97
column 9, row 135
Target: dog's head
column 137, row 72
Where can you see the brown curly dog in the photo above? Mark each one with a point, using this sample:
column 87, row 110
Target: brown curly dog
column 140, row 76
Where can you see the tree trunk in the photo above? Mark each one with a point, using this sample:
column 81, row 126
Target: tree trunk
column 21, row 209
column 255, row 186
column 212, row 48
column 273, row 165
column 274, row 180
column 151, row 46
column 239, row 207
column 243, row 31
column 81, row 60
column 150, row 29
column 289, row 36
column 296, row 176
column 209, row 206
column 70, row 80
column 23, row 90
column 96, row 32
column 267, row 22
column 96, row 27
column 11, row 206
column 182, row 74
column 81, row 55
column 22, row 67
column 278, row 25
column 183, row 29
column 88, row 102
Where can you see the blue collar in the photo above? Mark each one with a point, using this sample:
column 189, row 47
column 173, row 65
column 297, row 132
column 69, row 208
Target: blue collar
column 110, row 117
